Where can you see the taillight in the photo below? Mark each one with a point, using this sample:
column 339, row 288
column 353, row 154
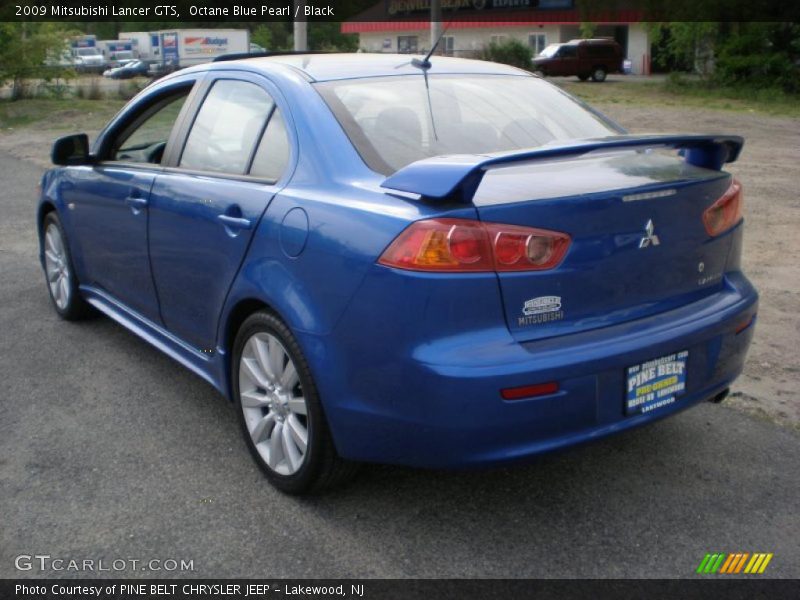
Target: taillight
column 526, row 249
column 725, row 212
column 462, row 245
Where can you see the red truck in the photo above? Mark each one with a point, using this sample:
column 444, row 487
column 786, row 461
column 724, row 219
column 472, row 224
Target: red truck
column 593, row 58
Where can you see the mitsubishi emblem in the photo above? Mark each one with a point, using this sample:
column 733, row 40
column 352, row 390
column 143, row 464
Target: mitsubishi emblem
column 650, row 236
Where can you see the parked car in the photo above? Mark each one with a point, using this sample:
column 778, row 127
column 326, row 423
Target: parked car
column 88, row 60
column 594, row 58
column 128, row 70
column 120, row 58
column 384, row 260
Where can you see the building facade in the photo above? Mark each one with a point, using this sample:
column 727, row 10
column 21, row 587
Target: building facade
column 402, row 27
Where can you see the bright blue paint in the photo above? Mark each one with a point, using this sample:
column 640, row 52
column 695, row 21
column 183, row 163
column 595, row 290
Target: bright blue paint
column 440, row 176
column 410, row 365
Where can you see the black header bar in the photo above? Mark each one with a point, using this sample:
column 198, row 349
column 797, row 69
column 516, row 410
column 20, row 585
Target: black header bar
column 180, row 12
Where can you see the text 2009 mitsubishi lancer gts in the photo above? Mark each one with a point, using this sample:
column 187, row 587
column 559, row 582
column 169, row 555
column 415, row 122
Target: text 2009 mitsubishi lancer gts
column 376, row 259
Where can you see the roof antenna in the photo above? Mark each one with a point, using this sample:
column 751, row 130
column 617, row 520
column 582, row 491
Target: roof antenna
column 425, row 63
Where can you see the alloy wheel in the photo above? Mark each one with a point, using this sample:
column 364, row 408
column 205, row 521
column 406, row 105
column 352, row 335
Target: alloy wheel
column 57, row 266
column 274, row 409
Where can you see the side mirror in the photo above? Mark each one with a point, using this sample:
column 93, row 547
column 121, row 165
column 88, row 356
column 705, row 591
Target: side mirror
column 71, row 150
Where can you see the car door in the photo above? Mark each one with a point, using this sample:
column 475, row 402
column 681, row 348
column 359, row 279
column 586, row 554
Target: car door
column 108, row 200
column 206, row 206
column 566, row 61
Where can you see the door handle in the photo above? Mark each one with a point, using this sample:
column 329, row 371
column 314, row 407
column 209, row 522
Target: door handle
column 235, row 222
column 136, row 204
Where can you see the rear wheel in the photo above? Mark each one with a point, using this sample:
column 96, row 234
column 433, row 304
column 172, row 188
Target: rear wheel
column 280, row 411
column 62, row 283
column 599, row 74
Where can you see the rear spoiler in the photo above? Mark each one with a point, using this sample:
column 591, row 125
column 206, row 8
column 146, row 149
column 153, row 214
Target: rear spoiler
column 457, row 177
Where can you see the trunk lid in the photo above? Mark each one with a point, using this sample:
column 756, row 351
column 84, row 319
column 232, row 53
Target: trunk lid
column 639, row 245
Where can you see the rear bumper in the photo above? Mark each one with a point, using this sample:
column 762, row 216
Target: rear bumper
column 439, row 404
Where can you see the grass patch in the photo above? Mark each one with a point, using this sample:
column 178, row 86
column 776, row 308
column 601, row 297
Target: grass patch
column 74, row 114
column 685, row 93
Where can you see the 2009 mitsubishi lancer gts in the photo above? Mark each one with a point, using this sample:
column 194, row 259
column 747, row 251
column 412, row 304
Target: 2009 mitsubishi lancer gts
column 440, row 263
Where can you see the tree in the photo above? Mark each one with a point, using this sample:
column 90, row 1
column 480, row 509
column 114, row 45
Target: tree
column 24, row 50
column 510, row 52
column 762, row 55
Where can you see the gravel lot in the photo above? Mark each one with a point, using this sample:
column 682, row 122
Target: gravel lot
column 108, row 449
column 769, row 169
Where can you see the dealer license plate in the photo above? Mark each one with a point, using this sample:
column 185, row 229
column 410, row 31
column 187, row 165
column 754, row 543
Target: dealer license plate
column 656, row 383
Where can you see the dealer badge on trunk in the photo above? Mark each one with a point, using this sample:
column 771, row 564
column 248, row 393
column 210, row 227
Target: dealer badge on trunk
column 541, row 310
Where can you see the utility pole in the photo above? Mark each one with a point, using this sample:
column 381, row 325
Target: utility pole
column 300, row 27
column 436, row 21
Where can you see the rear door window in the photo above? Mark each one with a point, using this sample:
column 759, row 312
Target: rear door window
column 227, row 127
column 272, row 155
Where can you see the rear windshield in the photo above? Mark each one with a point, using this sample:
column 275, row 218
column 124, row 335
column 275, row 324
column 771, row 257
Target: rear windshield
column 393, row 121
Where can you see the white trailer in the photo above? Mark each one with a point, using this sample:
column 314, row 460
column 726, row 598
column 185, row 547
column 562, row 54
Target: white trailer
column 187, row 47
column 147, row 43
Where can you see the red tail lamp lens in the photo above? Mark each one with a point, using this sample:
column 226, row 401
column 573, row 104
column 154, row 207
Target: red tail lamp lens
column 462, row 245
column 725, row 212
column 525, row 248
column 441, row 245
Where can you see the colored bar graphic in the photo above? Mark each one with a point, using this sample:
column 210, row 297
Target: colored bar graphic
column 765, row 563
column 703, row 563
column 718, row 564
column 752, row 564
column 740, row 564
column 727, row 565
column 730, row 564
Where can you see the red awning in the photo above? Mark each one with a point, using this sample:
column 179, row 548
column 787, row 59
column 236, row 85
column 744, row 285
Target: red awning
column 522, row 19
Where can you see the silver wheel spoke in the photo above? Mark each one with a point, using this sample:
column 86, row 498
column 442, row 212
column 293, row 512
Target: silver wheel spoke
column 251, row 370
column 49, row 241
column 298, row 406
column 254, row 400
column 64, row 291
column 276, row 446
column 58, row 247
column 263, row 428
column 275, row 356
column 289, row 449
column 52, row 274
column 298, row 433
column 289, row 377
column 55, row 289
column 261, row 351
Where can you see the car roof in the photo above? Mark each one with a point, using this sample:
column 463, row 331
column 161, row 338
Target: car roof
column 591, row 41
column 327, row 67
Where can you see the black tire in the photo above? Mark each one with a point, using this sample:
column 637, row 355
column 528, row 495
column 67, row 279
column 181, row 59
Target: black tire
column 583, row 77
column 599, row 74
column 75, row 308
column 322, row 468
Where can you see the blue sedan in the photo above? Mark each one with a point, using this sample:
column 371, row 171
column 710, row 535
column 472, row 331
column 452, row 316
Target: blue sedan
column 442, row 264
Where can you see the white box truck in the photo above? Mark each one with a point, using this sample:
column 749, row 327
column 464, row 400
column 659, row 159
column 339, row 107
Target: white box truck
column 186, row 47
column 147, row 43
column 86, row 57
